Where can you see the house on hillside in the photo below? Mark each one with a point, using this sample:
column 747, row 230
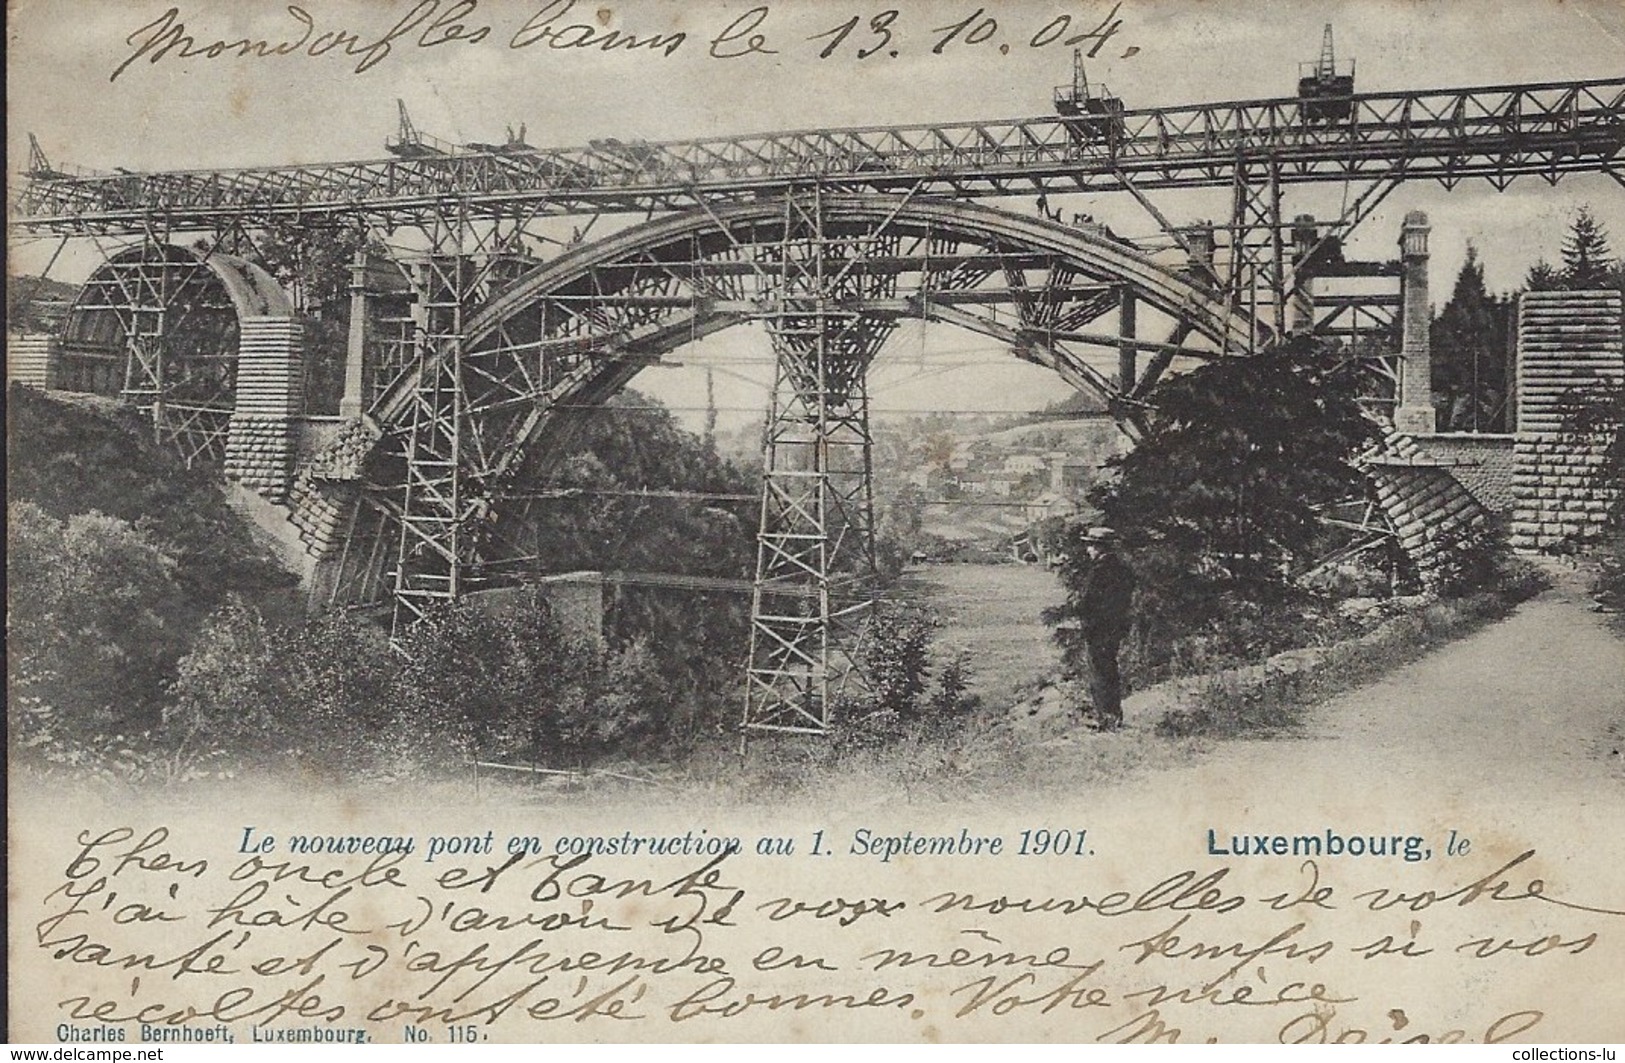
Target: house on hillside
column 1049, row 504
column 1069, row 474
column 973, row 483
column 1019, row 465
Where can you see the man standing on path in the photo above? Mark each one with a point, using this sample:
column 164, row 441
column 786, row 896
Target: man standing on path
column 1105, row 607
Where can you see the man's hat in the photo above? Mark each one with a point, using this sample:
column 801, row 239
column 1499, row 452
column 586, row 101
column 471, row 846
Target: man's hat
column 1101, row 534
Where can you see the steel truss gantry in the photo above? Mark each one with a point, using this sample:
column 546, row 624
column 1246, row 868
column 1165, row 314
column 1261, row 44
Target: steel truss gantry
column 443, row 505
column 1254, row 148
column 155, row 326
column 1496, row 132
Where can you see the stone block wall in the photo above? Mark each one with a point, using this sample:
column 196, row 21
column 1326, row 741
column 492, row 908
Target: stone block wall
column 1483, row 463
column 32, row 359
column 1424, row 502
column 1567, row 342
column 319, row 511
column 322, row 494
column 262, row 437
column 1560, row 489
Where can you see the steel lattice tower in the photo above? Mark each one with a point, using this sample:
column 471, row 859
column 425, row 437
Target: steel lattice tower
column 815, row 566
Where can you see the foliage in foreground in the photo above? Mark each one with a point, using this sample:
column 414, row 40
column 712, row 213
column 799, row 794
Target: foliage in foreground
column 1217, row 505
column 909, row 692
column 510, row 685
column 68, row 460
column 116, row 553
column 96, row 621
column 145, row 635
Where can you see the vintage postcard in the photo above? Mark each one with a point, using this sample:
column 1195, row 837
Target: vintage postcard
column 966, row 520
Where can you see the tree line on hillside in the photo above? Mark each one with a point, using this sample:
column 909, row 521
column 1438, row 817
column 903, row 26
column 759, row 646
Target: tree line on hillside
column 1472, row 336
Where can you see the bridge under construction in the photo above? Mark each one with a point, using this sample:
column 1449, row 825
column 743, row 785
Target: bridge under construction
column 477, row 341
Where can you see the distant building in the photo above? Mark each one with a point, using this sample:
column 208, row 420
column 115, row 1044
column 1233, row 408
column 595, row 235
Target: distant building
column 1023, row 464
column 1068, row 474
column 1049, row 504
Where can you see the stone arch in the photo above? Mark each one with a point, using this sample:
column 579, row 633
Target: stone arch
column 541, row 350
column 208, row 343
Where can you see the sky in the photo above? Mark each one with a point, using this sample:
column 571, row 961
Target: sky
column 470, row 82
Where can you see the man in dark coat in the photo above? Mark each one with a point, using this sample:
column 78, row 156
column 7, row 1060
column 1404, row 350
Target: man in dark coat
column 1106, row 607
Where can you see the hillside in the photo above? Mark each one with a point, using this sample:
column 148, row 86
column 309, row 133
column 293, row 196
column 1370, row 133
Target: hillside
column 33, row 304
column 77, row 455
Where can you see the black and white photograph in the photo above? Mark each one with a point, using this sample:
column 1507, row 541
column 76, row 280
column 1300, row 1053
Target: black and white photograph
column 1076, row 521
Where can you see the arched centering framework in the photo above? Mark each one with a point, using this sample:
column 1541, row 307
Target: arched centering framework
column 829, row 276
column 169, row 329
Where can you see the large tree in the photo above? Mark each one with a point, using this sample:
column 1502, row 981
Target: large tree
column 1470, row 344
column 1217, row 504
column 1588, row 262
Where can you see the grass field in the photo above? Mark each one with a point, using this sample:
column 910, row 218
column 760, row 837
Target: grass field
column 992, row 612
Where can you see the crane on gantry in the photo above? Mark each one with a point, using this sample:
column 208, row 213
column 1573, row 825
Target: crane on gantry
column 1326, row 94
column 1089, row 115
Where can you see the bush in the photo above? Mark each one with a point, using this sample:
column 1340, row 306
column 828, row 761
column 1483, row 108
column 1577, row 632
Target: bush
column 515, row 684
column 236, row 684
column 896, row 657
column 96, row 619
column 1219, row 502
column 331, row 693
column 1469, row 560
column 901, row 699
column 319, row 693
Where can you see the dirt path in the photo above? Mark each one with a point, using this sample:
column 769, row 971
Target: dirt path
column 1519, row 710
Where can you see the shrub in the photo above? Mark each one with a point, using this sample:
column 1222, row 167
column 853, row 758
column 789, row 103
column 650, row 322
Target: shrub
column 332, row 694
column 901, row 699
column 515, row 684
column 96, row 615
column 1470, row 559
column 896, row 657
column 236, row 684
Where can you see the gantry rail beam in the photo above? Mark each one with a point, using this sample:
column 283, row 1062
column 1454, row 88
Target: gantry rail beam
column 1495, row 132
